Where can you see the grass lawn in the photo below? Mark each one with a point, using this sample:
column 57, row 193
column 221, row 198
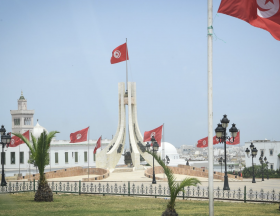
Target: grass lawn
column 64, row 204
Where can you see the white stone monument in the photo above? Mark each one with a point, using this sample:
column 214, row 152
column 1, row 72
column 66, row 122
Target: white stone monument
column 109, row 157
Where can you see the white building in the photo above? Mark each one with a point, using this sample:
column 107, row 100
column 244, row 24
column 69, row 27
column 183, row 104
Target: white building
column 22, row 119
column 172, row 153
column 63, row 154
column 270, row 150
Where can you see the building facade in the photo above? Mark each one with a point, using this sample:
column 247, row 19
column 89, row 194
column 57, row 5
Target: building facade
column 269, row 149
column 22, row 118
column 63, row 154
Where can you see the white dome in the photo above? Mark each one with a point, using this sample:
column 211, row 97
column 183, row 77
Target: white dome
column 169, row 149
column 37, row 130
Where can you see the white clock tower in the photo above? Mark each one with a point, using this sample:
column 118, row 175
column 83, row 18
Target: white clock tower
column 22, row 119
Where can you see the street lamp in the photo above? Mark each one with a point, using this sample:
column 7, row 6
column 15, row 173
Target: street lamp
column 5, row 141
column 187, row 162
column 266, row 162
column 230, row 166
column 155, row 148
column 221, row 134
column 167, row 160
column 262, row 162
column 254, row 152
column 221, row 162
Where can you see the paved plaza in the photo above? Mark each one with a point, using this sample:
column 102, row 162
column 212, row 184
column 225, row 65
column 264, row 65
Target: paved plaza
column 139, row 177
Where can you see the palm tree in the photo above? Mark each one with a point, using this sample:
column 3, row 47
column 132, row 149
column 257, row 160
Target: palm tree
column 174, row 187
column 39, row 153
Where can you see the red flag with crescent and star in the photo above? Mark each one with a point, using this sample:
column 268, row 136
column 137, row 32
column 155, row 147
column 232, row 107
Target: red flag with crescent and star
column 157, row 133
column 98, row 145
column 202, row 143
column 263, row 14
column 119, row 54
column 79, row 136
column 236, row 139
column 15, row 141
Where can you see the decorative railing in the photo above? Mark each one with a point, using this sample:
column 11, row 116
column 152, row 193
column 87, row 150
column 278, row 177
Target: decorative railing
column 142, row 189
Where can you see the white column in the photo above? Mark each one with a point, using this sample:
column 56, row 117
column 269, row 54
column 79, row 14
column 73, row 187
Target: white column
column 210, row 107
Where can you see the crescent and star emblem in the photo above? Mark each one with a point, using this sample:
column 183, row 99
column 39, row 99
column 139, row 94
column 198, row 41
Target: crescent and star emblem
column 204, row 142
column 12, row 141
column 117, row 54
column 267, row 8
column 79, row 136
column 153, row 134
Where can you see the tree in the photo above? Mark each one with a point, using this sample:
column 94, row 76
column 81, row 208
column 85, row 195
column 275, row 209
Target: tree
column 39, row 153
column 174, row 187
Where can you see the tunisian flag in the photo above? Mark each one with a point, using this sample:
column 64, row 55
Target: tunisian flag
column 157, row 133
column 98, row 145
column 202, row 143
column 236, row 139
column 119, row 54
column 263, row 14
column 15, row 141
column 79, row 136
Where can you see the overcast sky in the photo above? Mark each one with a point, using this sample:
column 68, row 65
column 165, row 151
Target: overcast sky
column 58, row 53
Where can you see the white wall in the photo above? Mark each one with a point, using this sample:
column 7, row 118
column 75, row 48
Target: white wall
column 60, row 147
column 266, row 146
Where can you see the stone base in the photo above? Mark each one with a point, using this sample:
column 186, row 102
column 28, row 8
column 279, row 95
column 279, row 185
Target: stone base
column 168, row 212
column 44, row 193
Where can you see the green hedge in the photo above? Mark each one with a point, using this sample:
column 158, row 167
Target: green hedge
column 248, row 172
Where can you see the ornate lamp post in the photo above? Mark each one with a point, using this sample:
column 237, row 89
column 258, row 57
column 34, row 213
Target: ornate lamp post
column 230, row 166
column 254, row 152
column 240, row 166
column 166, row 160
column 221, row 160
column 5, row 141
column 154, row 148
column 187, row 162
column 266, row 162
column 221, row 134
column 262, row 162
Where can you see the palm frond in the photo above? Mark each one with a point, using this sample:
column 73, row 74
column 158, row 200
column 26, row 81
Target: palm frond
column 50, row 136
column 26, row 141
column 34, row 142
column 174, row 187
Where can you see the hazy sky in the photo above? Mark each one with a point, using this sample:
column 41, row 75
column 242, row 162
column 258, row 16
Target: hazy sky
column 58, row 53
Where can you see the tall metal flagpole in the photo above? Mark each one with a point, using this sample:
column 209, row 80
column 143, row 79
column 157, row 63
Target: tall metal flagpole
column 163, row 144
column 210, row 106
column 19, row 159
column 126, row 66
column 88, row 150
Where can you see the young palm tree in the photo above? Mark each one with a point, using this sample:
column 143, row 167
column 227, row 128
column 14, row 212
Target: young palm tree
column 39, row 153
column 174, row 187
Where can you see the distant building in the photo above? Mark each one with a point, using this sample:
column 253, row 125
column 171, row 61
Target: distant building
column 22, row 118
column 269, row 149
column 62, row 154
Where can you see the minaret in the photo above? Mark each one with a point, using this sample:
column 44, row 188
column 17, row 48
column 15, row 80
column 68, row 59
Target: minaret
column 22, row 119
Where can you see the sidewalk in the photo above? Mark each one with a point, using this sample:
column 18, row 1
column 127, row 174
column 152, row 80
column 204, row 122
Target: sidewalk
column 138, row 176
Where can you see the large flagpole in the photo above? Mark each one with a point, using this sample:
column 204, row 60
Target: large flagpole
column 126, row 66
column 210, row 106
column 88, row 150
column 163, row 144
column 163, row 148
column 19, row 159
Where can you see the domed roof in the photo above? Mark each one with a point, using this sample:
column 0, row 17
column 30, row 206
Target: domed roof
column 21, row 97
column 169, row 148
column 37, row 130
